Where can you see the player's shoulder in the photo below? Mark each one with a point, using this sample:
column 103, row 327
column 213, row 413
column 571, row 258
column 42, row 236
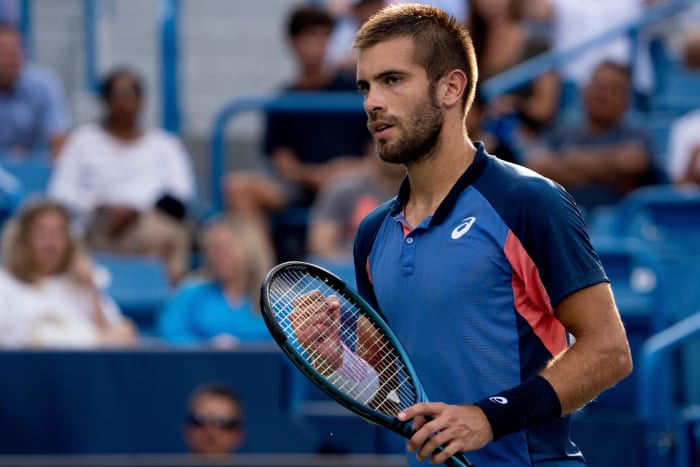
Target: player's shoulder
column 521, row 196
column 517, row 183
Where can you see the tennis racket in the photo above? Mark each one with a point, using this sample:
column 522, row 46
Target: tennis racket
column 342, row 345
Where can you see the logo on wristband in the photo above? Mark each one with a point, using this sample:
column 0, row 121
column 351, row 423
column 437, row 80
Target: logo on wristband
column 498, row 400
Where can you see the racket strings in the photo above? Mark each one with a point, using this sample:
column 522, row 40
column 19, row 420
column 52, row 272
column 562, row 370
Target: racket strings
column 294, row 290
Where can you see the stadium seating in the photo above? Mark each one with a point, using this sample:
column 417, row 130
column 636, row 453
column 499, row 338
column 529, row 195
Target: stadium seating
column 139, row 285
column 677, row 92
column 33, row 173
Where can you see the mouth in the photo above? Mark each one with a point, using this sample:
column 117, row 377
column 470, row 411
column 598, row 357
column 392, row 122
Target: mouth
column 381, row 129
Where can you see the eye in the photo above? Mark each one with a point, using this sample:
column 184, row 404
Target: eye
column 363, row 89
column 392, row 80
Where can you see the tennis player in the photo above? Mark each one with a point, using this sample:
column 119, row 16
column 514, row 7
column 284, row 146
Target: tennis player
column 482, row 268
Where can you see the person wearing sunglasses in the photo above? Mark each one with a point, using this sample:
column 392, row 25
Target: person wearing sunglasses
column 214, row 421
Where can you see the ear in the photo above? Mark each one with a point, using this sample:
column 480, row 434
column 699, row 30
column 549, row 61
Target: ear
column 452, row 88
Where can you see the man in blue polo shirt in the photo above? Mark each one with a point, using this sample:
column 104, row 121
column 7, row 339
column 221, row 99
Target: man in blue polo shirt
column 481, row 267
column 32, row 105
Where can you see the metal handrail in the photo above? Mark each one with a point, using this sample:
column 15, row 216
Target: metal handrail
column 655, row 404
column 299, row 102
column 530, row 69
column 169, row 24
column 25, row 26
column 90, row 38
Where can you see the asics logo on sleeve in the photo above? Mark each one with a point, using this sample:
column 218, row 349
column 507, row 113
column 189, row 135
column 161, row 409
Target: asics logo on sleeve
column 498, row 400
column 463, row 227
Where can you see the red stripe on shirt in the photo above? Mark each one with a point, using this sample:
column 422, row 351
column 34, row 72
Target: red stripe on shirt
column 531, row 298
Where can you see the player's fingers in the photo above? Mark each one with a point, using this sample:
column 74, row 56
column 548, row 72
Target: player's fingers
column 427, row 409
column 440, row 447
column 418, row 422
column 424, row 440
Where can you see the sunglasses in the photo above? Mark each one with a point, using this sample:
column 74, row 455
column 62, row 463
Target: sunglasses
column 200, row 421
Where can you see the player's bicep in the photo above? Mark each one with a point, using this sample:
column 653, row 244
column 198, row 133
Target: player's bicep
column 591, row 311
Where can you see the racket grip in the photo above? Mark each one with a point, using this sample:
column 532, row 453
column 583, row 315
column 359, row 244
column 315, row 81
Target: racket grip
column 458, row 460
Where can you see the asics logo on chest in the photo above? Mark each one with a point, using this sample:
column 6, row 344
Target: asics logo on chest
column 463, row 227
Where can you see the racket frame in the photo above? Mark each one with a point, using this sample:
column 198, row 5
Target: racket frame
column 370, row 415
column 341, row 288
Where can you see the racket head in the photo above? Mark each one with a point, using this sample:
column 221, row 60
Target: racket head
column 360, row 328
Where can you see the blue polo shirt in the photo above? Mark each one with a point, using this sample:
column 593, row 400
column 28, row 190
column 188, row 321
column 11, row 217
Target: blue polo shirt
column 32, row 111
column 471, row 291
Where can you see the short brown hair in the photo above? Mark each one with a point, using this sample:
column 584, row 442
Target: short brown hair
column 441, row 43
column 18, row 258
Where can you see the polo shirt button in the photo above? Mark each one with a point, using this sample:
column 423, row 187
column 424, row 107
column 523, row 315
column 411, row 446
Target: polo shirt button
column 409, row 240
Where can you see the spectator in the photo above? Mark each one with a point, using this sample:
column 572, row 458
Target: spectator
column 129, row 187
column 602, row 158
column 304, row 149
column 501, row 41
column 684, row 149
column 214, row 424
column 32, row 105
column 691, row 49
column 340, row 54
column 48, row 296
column 222, row 309
column 684, row 137
column 345, row 200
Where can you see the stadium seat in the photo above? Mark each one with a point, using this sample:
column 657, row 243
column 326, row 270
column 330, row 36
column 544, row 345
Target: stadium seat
column 678, row 91
column 667, row 221
column 33, row 173
column 139, row 285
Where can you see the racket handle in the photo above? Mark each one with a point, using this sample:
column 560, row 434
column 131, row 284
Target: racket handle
column 458, row 460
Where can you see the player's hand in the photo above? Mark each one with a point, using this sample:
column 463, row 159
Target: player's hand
column 316, row 323
column 459, row 428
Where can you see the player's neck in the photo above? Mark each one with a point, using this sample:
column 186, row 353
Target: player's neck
column 432, row 179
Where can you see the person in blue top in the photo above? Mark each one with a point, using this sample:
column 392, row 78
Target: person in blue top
column 221, row 309
column 481, row 267
column 33, row 108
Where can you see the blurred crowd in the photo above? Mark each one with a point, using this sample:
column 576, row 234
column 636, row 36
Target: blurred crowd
column 120, row 188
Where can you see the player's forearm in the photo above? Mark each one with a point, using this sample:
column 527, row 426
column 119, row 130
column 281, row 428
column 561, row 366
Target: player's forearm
column 587, row 368
column 599, row 358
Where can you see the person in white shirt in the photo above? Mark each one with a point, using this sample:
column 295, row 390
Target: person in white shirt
column 48, row 297
column 128, row 187
column 684, row 150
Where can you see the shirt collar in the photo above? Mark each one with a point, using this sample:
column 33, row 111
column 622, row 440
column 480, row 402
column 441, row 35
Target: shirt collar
column 470, row 175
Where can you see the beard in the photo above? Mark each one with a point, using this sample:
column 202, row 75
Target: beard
column 423, row 135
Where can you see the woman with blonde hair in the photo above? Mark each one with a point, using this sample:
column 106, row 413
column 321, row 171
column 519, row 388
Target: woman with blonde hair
column 222, row 307
column 48, row 297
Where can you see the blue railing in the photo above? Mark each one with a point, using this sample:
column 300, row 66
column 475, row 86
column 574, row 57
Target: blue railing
column 25, row 26
column 530, row 69
column 169, row 25
column 298, row 102
column 656, row 406
column 89, row 44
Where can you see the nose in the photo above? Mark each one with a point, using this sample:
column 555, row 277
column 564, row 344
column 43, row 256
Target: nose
column 374, row 101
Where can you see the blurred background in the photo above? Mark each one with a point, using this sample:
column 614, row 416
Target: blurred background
column 157, row 157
